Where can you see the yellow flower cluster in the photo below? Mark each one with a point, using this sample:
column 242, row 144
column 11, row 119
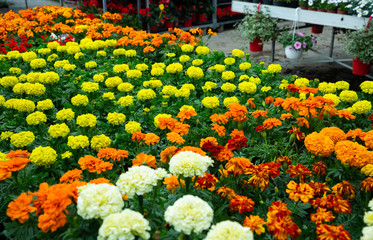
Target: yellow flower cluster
column 348, row 96
column 228, row 75
column 131, row 53
column 153, row 83
column 119, row 52
column 121, row 68
column 72, row 50
column 361, row 107
column 108, row 96
column 28, row 56
column 15, row 70
column 174, row 68
column 265, row 88
column 367, row 87
column 202, row 50
column 229, row 61
column 274, row 68
column 238, row 53
column 6, row 135
column 228, row 87
column 44, row 51
column 38, row 63
column 184, row 58
column 53, row 45
column 244, row 66
column 89, row 87
column 86, row 120
column 169, row 90
column 247, row 87
column 326, row 87
column 91, row 64
column 146, row 94
column 77, row 142
column 8, row 81
column 230, row 100
column 101, row 54
column 342, row 85
column 134, row 74
column 161, row 115
column 22, row 139
column 195, row 72
column 49, row 77
column 187, row 48
column 59, row 130
column 332, row 97
column 43, row 156
column 132, row 126
column 157, row 71
column 209, row 86
column 69, row 67
column 98, row 78
column 35, row 89
column 100, row 141
column 65, row 114
column 125, row 101
column 142, row 67
column 219, row 68
column 116, row 118
column 125, row 87
column 302, row 82
column 44, row 105
column 257, row 80
column 113, row 82
column 79, row 100
column 210, row 102
column 36, row 118
column 21, row 105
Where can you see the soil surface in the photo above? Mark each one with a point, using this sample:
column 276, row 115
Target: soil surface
column 306, row 66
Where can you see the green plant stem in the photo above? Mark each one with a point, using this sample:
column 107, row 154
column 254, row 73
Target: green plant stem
column 141, row 203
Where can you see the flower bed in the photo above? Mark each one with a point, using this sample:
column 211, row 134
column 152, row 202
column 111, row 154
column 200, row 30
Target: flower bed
column 102, row 139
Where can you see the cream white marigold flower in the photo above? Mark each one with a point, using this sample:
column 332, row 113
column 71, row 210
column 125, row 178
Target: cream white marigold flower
column 189, row 214
column 229, row 230
column 124, row 225
column 139, row 180
column 189, row 164
column 99, row 201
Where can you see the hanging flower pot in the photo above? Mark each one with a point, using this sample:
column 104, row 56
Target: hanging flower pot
column 292, row 53
column 317, row 29
column 256, row 45
column 359, row 68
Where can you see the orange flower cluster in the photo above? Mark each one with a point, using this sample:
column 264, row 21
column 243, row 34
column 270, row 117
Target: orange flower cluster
column 334, row 133
column 206, row 181
column 322, row 215
column 300, row 171
column 226, row 192
column 333, row 202
column 368, row 139
column 353, row 153
column 367, row 185
column 261, row 174
column 143, row 158
column 237, row 112
column 238, row 165
column 319, row 168
column 319, row 144
column 173, row 182
column 319, row 188
column 17, row 160
column 241, row 204
column 186, row 114
column 71, row 176
column 255, row 223
column 331, row 232
column 112, row 153
column 344, row 189
column 279, row 222
column 94, row 164
column 167, row 154
column 20, row 208
column 356, row 133
column 300, row 191
column 173, row 125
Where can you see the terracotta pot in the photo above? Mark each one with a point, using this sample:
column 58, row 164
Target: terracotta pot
column 202, row 18
column 187, row 22
column 359, row 68
column 292, row 53
column 303, row 7
column 256, row 45
column 311, row 9
column 331, row 11
column 341, row 12
column 321, row 10
column 317, row 29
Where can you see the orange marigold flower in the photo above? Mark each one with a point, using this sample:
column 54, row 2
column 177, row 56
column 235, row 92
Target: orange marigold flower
column 180, row 128
column 344, row 189
column 261, row 174
column 151, row 139
column 368, row 139
column 237, row 112
column 206, row 181
column 20, row 208
column 137, row 136
column 193, row 149
column 345, row 114
column 112, row 153
column 212, row 140
column 296, row 133
column 300, row 191
column 167, row 122
column 285, row 116
column 303, row 122
column 271, row 122
column 148, row 49
column 219, row 118
column 319, row 144
column 331, row 232
column 71, row 176
column 284, row 161
column 145, row 159
column 167, row 154
column 320, row 188
column 100, row 181
column 334, row 202
column 225, row 192
column 269, row 100
column 173, row 182
column 14, row 164
column 94, row 164
column 220, row 130
column 352, row 153
column 238, row 165
column 251, row 103
column 367, row 185
column 4, row 174
column 255, row 223
column 307, row 90
column 18, row 153
column 356, row 133
column 51, row 222
column 300, row 171
column 175, row 138
column 334, row 133
column 322, row 215
column 224, row 154
column 237, row 132
column 291, row 103
column 259, row 113
column 241, row 204
column 186, row 114
column 319, row 168
column 278, row 101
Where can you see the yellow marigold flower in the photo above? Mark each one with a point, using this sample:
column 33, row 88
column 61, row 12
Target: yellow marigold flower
column 98, row 78
column 244, row 66
column 101, row 54
column 36, row 118
column 159, row 65
column 153, row 83
column 229, row 61
column 197, row 62
column 367, row 170
column 44, row 51
column 161, row 115
column 49, row 77
column 228, row 87
column 22, row 78
column 265, row 88
column 108, row 96
column 125, row 87
column 15, row 70
column 86, row 120
column 6, row 135
column 121, row 68
column 78, row 55
column 91, row 64
column 8, row 81
column 89, row 87
column 209, row 86
column 113, row 82
column 187, row 48
column 2, row 100
column 22, row 139
column 142, row 67
column 230, row 100
column 146, row 94
column 116, row 118
column 342, row 85
column 79, row 100
column 184, row 58
column 362, row 107
column 302, row 82
column 66, row 154
column 274, row 68
column 326, row 87
column 257, row 81
column 72, row 50
column 125, row 101
column 21, row 105
column 132, row 74
column 61, row 63
column 58, row 130
column 174, row 68
column 334, row 98
column 100, row 141
column 43, row 156
column 247, row 87
column 169, row 90
column 367, row 87
column 61, row 48
column 132, row 126
column 28, row 56
column 53, row 45
column 238, row 53
column 189, row 86
column 77, row 142
column 65, row 114
column 170, row 55
column 131, row 53
column 219, row 68
column 35, row 89
column 13, row 55
column 195, row 72
column 111, row 42
column 319, row 144
column 348, row 96
column 3, row 157
column 19, row 88
column 69, row 67
column 200, row 50
column 210, row 102
column 119, row 52
column 243, row 77
column 228, row 75
column 157, row 71
column 183, row 92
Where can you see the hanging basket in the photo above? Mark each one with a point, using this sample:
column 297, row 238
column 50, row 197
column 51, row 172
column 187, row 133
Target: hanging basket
column 317, row 29
column 256, row 45
column 359, row 68
column 291, row 53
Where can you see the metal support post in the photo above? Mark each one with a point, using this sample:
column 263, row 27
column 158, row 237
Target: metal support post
column 273, row 51
column 147, row 24
column 332, row 43
column 26, row 4
column 138, row 9
column 104, row 6
column 61, row 3
column 214, row 17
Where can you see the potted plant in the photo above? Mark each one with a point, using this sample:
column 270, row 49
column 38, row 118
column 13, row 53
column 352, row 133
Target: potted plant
column 295, row 43
column 342, row 6
column 281, row 2
column 258, row 27
column 303, row 4
column 359, row 44
column 332, row 6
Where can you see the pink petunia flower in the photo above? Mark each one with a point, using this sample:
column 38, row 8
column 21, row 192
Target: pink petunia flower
column 300, row 34
column 304, row 45
column 297, row 45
